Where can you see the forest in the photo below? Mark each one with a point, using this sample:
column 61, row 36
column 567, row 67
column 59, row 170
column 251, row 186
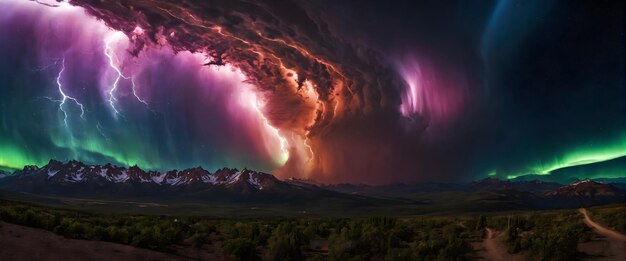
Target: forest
column 547, row 235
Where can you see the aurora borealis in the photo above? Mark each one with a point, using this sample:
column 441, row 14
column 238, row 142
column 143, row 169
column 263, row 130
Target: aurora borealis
column 379, row 93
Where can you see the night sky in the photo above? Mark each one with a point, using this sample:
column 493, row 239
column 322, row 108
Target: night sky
column 335, row 91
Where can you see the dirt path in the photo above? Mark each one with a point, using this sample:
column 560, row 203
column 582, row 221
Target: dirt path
column 617, row 241
column 494, row 250
column 601, row 229
column 24, row 243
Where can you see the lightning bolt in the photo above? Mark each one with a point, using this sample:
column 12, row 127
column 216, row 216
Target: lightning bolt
column 132, row 80
column 249, row 98
column 108, row 52
column 67, row 97
column 99, row 127
column 283, row 142
column 308, row 146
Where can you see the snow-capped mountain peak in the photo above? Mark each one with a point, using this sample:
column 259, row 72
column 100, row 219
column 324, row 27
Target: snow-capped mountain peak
column 76, row 173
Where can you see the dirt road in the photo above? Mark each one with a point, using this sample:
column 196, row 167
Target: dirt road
column 601, row 229
column 494, row 250
column 617, row 241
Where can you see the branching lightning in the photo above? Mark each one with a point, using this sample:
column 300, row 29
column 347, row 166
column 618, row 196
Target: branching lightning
column 283, row 142
column 108, row 52
column 248, row 98
column 65, row 97
column 308, row 146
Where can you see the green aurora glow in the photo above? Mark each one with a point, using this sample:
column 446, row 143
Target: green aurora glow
column 579, row 157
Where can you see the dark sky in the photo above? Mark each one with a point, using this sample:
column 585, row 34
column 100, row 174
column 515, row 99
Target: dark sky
column 336, row 91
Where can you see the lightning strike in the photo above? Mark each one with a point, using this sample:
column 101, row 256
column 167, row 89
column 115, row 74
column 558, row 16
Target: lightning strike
column 283, row 142
column 66, row 97
column 108, row 52
column 132, row 80
column 99, row 127
column 308, row 146
column 249, row 98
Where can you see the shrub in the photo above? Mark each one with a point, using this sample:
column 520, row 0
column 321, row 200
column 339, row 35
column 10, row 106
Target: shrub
column 241, row 249
column 286, row 243
column 117, row 235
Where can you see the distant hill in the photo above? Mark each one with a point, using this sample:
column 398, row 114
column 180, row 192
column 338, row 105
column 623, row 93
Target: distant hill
column 586, row 189
column 520, row 185
column 586, row 193
column 4, row 174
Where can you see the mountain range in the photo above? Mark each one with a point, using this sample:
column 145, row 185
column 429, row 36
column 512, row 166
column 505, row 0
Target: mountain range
column 76, row 179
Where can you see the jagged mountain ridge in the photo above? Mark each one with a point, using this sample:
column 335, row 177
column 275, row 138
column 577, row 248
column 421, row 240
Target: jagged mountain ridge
column 74, row 179
column 77, row 172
